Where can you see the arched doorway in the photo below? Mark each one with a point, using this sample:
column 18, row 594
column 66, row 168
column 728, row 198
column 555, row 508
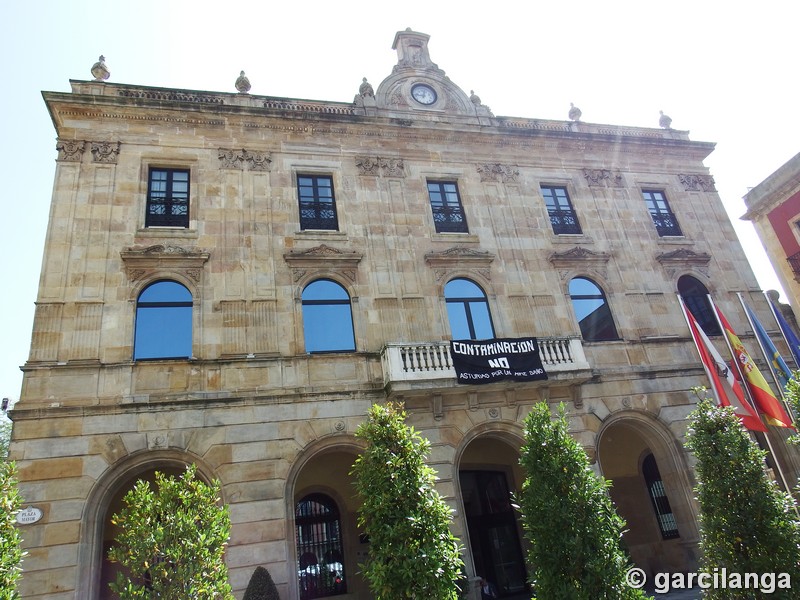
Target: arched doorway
column 326, row 546
column 489, row 474
column 651, row 492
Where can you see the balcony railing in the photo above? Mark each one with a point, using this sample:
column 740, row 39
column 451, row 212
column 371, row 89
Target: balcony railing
column 794, row 262
column 427, row 361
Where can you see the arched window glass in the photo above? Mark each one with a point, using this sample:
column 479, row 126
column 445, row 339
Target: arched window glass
column 163, row 322
column 327, row 317
column 320, row 554
column 468, row 311
column 695, row 297
column 655, row 488
column 592, row 310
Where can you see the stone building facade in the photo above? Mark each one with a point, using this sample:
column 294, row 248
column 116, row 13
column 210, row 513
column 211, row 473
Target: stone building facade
column 231, row 280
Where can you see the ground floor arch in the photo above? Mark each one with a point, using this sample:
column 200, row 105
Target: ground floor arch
column 651, row 490
column 489, row 476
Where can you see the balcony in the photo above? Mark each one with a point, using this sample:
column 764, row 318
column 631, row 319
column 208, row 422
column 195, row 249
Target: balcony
column 428, row 365
column 794, row 263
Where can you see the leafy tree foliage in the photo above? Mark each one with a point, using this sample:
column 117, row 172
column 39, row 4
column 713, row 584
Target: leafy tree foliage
column 11, row 552
column 413, row 554
column 5, row 437
column 569, row 519
column 261, row 586
column 172, row 540
column 747, row 525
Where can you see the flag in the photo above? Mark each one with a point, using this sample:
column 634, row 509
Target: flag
column 760, row 391
column 789, row 335
column 779, row 366
column 717, row 371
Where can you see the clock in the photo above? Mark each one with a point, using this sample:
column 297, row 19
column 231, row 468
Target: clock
column 424, row 94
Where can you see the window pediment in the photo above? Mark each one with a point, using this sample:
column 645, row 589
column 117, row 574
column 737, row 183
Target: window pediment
column 323, row 258
column 460, row 258
column 142, row 262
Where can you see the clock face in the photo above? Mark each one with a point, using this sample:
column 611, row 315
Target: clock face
column 424, row 94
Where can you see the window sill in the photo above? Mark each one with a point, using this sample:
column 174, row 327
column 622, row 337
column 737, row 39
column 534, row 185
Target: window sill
column 674, row 240
column 571, row 238
column 459, row 237
column 320, row 234
column 166, row 232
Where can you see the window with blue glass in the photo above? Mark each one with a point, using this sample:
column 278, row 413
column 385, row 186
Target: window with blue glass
column 167, row 198
column 327, row 317
column 559, row 209
column 663, row 218
column 448, row 212
column 592, row 310
column 163, row 322
column 468, row 311
column 317, row 202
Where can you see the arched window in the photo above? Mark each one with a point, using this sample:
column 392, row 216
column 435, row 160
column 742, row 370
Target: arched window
column 320, row 554
column 592, row 310
column 655, row 488
column 163, row 322
column 468, row 311
column 695, row 297
column 327, row 317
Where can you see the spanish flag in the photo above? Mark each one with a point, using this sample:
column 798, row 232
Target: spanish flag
column 765, row 400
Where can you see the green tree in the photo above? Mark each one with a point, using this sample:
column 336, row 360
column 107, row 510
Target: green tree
column 261, row 586
column 747, row 525
column 11, row 552
column 172, row 540
column 413, row 554
column 5, row 437
column 569, row 519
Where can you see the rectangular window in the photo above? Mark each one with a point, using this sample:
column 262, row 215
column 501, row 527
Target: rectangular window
column 317, row 203
column 448, row 213
column 562, row 215
column 665, row 222
column 167, row 198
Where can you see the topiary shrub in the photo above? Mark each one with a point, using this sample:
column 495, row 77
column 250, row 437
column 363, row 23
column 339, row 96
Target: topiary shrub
column 261, row 586
column 569, row 519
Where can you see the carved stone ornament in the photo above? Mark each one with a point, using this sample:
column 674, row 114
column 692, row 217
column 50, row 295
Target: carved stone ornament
column 375, row 165
column 460, row 258
column 70, row 150
column 238, row 159
column 603, row 178
column 323, row 258
column 683, row 258
column 698, row 183
column 258, row 161
column 231, row 159
column 105, row 152
column 498, row 172
column 579, row 259
column 141, row 263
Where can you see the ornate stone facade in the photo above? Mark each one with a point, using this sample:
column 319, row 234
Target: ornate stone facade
column 250, row 405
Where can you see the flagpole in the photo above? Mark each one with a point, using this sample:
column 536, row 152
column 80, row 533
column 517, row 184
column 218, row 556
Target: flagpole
column 705, row 367
column 780, row 328
column 767, row 358
column 749, row 395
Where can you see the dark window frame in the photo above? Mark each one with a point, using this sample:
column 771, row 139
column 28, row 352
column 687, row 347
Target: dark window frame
column 664, row 219
column 318, row 534
column 588, row 327
column 448, row 210
column 667, row 524
column 466, row 303
column 348, row 301
column 317, row 209
column 695, row 297
column 142, row 335
column 167, row 207
column 563, row 217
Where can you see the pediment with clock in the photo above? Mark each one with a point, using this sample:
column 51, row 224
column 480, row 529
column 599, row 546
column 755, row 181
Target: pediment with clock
column 417, row 85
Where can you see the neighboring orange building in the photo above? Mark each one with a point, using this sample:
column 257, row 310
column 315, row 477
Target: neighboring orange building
column 774, row 208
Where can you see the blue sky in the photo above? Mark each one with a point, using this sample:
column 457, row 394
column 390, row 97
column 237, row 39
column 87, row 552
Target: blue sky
column 724, row 73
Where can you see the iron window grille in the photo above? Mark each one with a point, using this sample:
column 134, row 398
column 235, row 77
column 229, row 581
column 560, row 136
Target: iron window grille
column 448, row 212
column 663, row 217
column 317, row 202
column 667, row 523
column 320, row 554
column 167, row 198
column 562, row 214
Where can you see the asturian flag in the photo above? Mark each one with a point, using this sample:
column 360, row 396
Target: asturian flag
column 718, row 371
column 765, row 400
column 788, row 333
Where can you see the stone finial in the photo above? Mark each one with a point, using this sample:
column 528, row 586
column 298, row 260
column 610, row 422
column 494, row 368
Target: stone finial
column 574, row 112
column 365, row 89
column 474, row 98
column 242, row 83
column 99, row 70
column 664, row 121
